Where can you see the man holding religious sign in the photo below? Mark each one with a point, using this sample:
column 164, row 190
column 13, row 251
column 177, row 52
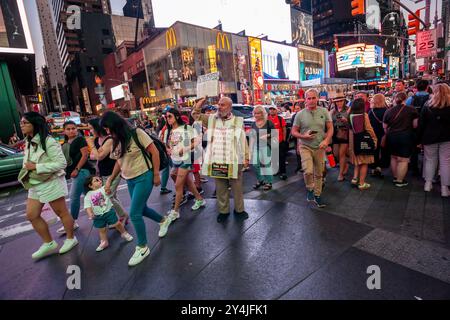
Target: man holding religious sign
column 226, row 153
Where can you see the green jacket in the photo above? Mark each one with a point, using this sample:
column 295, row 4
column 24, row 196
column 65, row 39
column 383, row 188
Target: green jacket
column 50, row 163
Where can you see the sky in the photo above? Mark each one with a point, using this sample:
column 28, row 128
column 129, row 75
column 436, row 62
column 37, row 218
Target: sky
column 268, row 17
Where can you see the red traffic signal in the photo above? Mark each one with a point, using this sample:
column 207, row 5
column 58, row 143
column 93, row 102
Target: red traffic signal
column 413, row 24
column 358, row 7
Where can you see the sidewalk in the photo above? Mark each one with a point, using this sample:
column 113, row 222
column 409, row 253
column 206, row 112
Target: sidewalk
column 283, row 251
column 287, row 249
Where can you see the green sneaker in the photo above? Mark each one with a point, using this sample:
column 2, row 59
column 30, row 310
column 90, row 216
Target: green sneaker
column 45, row 250
column 68, row 245
column 198, row 204
column 139, row 255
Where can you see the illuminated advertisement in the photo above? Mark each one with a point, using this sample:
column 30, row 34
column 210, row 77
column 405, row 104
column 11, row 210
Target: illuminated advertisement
column 302, row 28
column 242, row 69
column 15, row 34
column 254, row 45
column 188, row 71
column 212, row 57
column 311, row 63
column 359, row 55
column 280, row 62
column 256, row 62
column 394, row 67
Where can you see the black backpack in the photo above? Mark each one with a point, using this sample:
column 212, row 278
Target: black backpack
column 163, row 156
column 419, row 101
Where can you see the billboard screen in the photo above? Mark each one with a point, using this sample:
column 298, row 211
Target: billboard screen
column 280, row 62
column 302, row 28
column 359, row 55
column 311, row 63
column 394, row 67
column 15, row 34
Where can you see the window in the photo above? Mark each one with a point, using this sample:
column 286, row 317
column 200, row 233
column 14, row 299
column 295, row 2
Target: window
column 105, row 32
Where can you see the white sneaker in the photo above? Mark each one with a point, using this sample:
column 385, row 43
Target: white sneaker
column 45, row 250
column 198, row 204
column 128, row 237
column 428, row 186
column 139, row 255
column 164, row 226
column 173, row 215
column 62, row 231
column 68, row 245
column 444, row 191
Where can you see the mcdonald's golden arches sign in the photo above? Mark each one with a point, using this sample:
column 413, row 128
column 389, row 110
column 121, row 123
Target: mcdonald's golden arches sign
column 222, row 39
column 171, row 38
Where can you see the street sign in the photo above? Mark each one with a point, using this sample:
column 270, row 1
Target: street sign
column 426, row 44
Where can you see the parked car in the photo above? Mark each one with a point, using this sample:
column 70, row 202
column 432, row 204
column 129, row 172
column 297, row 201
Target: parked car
column 10, row 163
column 242, row 110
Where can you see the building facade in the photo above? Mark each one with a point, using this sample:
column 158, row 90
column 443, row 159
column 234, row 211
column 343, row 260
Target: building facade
column 17, row 66
column 56, row 74
column 251, row 70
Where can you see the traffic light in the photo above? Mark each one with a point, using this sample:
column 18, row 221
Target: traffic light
column 413, row 24
column 358, row 7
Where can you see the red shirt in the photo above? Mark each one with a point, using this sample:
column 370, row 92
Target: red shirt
column 279, row 126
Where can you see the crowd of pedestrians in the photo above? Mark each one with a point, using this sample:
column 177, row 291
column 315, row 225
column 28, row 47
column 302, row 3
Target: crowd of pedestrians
column 363, row 133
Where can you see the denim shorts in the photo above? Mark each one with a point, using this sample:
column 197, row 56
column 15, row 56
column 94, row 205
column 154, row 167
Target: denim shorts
column 107, row 219
column 182, row 165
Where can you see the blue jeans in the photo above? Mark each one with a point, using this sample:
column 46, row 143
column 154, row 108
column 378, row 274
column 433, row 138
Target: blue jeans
column 76, row 190
column 165, row 176
column 140, row 189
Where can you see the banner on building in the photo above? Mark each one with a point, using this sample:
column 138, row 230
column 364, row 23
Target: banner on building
column 302, row 28
column 426, row 44
column 15, row 36
column 373, row 15
column 208, row 85
column 254, row 45
column 87, row 101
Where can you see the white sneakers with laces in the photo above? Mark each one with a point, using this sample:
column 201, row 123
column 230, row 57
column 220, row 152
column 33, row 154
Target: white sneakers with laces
column 173, row 215
column 164, row 226
column 139, row 255
column 68, row 245
column 62, row 231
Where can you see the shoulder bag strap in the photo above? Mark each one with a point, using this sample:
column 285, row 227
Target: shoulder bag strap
column 375, row 116
column 140, row 146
